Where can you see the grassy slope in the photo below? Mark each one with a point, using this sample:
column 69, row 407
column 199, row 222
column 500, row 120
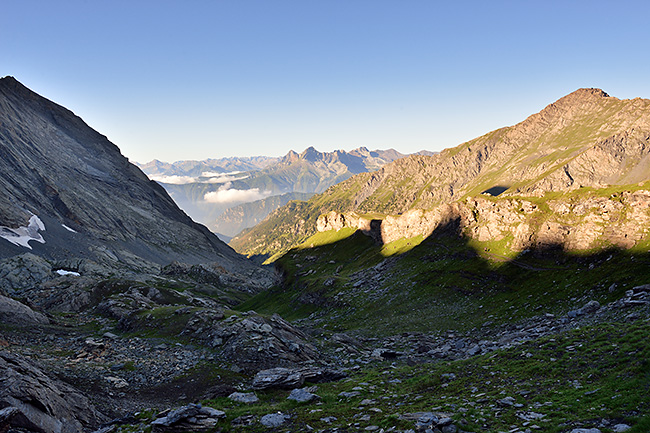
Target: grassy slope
column 572, row 380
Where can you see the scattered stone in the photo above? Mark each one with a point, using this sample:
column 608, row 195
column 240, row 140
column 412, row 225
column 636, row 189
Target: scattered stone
column 585, row 430
column 349, row 394
column 244, row 397
column 620, row 428
column 385, row 354
column 329, row 419
column 243, row 421
column 117, row 382
column 507, row 401
column 529, row 416
column 448, row 376
column 589, row 308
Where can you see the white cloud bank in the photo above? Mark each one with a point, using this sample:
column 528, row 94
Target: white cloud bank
column 206, row 177
column 174, row 180
column 225, row 194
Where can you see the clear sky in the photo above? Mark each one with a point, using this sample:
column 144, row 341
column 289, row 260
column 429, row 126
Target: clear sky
column 197, row 79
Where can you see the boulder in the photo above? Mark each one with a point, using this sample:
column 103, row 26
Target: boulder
column 12, row 311
column 244, row 397
column 589, row 308
column 193, row 417
column 289, row 378
column 42, row 404
column 274, row 419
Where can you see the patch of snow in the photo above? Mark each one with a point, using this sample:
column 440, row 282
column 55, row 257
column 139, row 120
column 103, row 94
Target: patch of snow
column 68, row 228
column 64, row 272
column 22, row 235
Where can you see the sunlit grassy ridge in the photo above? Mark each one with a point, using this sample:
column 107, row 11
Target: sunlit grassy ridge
column 560, row 148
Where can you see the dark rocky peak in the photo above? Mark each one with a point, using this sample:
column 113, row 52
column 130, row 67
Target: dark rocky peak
column 311, row 154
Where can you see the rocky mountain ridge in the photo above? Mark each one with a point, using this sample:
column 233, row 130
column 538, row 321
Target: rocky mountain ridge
column 69, row 196
column 585, row 139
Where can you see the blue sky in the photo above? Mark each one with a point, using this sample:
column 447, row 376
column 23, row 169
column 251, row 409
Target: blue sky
column 194, row 79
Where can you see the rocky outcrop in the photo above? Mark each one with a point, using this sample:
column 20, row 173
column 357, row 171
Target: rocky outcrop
column 22, row 272
column 251, row 341
column 573, row 222
column 42, row 404
column 291, row 378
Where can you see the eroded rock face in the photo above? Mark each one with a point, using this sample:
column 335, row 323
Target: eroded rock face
column 253, row 342
column 43, row 404
column 574, row 223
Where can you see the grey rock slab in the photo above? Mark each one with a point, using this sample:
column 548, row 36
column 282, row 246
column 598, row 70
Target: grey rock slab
column 244, row 397
column 43, row 403
column 274, row 419
column 349, row 394
column 585, row 430
column 301, row 395
column 620, row 428
column 289, row 378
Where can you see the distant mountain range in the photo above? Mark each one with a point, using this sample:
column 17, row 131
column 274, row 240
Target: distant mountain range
column 206, row 189
column 585, row 139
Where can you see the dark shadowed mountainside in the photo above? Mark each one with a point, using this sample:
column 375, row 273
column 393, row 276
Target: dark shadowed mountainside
column 67, row 193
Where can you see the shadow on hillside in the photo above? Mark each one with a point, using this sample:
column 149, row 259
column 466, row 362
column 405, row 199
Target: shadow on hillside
column 449, row 244
column 445, row 282
column 496, row 190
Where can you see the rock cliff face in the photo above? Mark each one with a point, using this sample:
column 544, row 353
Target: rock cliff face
column 585, row 139
column 66, row 192
column 573, row 222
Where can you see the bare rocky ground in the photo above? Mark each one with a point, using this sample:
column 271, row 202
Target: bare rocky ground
column 145, row 349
